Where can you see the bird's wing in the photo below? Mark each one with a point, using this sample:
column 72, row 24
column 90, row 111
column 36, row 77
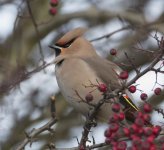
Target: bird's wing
column 105, row 70
column 108, row 72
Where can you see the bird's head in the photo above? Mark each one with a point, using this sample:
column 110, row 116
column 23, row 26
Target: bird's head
column 72, row 44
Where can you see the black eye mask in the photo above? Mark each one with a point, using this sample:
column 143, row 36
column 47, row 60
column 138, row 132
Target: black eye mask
column 66, row 45
column 56, row 48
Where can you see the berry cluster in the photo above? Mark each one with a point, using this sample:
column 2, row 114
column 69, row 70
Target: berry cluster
column 124, row 75
column 140, row 134
column 112, row 133
column 53, row 9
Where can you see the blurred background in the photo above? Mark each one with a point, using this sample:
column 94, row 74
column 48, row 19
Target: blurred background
column 27, row 28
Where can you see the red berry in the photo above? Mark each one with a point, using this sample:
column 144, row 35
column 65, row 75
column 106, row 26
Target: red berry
column 114, row 127
column 157, row 91
column 89, row 97
column 108, row 140
column 140, row 131
column 162, row 147
column 132, row 89
column 112, row 120
column 161, row 140
column 54, row 2
column 121, row 116
column 150, row 139
column 146, row 145
column 134, row 137
column 102, row 87
column 136, row 141
column 116, row 117
column 139, row 114
column 124, row 75
column 121, row 145
column 132, row 148
column 116, row 107
column 139, row 122
column 113, row 51
column 134, row 128
column 107, row 133
column 156, row 130
column 146, row 117
column 81, row 147
column 53, row 11
column 114, row 143
column 114, row 136
column 148, row 131
column 147, row 108
column 153, row 147
column 126, row 131
column 143, row 96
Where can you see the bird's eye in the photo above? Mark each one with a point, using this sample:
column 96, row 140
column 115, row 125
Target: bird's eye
column 66, row 45
column 57, row 51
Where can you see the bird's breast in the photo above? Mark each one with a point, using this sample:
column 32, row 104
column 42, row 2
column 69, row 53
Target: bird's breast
column 76, row 79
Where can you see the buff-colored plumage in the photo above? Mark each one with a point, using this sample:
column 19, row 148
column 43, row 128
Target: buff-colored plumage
column 78, row 66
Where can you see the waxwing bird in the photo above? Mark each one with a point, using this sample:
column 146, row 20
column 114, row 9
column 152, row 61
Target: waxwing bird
column 79, row 68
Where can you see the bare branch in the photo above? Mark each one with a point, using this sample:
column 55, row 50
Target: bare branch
column 36, row 29
column 160, row 111
column 110, row 34
column 18, row 76
column 132, row 64
column 47, row 127
column 149, row 68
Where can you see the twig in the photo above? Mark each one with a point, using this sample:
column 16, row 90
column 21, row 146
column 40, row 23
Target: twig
column 35, row 132
column 105, row 144
column 53, row 108
column 157, row 70
column 154, row 62
column 82, row 100
column 132, row 64
column 47, row 127
column 20, row 76
column 144, row 50
column 110, row 34
column 160, row 111
column 88, row 124
column 36, row 29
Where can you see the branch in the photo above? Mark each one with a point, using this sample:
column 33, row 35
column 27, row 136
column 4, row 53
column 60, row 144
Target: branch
column 89, row 122
column 132, row 64
column 157, row 70
column 36, row 29
column 29, row 137
column 149, row 68
column 110, row 34
column 47, row 127
column 160, row 111
column 18, row 76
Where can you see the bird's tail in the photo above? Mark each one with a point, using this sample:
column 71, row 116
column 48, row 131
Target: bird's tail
column 130, row 109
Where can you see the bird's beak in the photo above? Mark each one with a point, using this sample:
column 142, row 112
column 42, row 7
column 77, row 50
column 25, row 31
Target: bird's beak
column 57, row 49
